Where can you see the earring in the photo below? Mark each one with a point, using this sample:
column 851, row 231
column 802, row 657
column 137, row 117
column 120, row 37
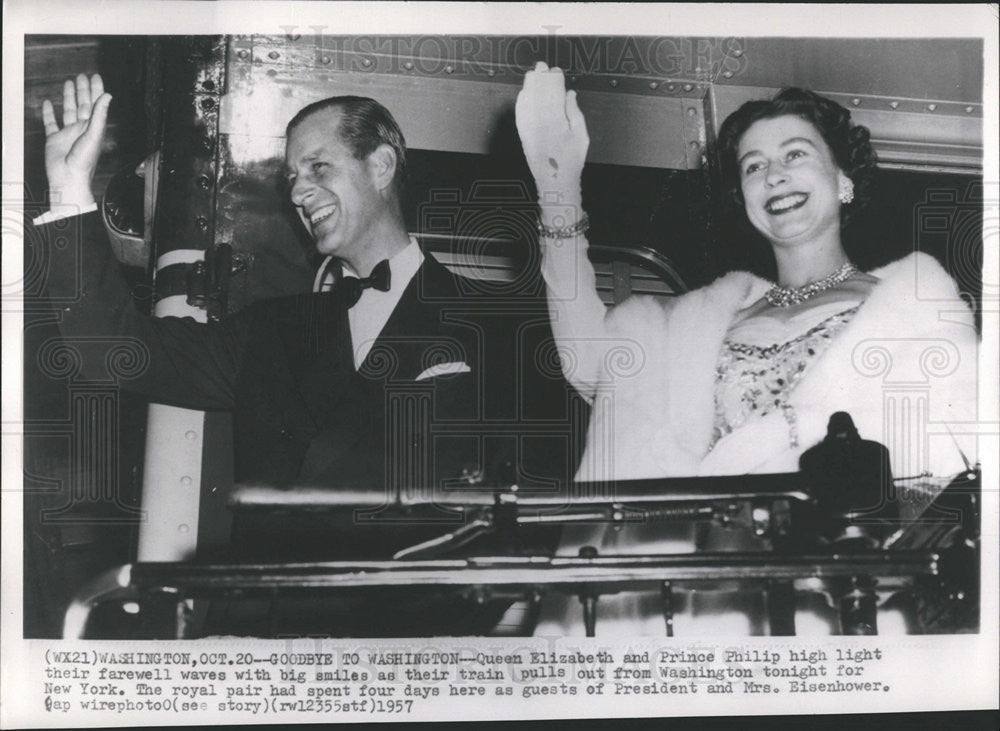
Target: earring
column 846, row 194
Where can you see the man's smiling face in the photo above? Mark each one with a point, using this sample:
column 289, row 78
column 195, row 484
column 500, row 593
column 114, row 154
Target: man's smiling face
column 333, row 192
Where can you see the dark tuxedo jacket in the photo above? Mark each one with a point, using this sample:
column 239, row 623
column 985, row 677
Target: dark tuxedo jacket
column 301, row 412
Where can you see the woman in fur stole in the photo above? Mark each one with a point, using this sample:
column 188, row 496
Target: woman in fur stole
column 743, row 375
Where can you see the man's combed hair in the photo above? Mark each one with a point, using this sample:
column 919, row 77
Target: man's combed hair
column 849, row 143
column 364, row 125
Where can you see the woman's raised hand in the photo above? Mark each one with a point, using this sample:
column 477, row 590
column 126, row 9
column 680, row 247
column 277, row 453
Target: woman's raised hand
column 553, row 133
column 71, row 153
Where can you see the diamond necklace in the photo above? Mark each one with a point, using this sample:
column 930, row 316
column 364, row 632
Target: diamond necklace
column 778, row 296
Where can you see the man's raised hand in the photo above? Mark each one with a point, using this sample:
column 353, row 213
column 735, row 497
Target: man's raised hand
column 553, row 132
column 71, row 152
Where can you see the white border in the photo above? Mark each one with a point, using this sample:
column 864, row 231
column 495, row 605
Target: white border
column 978, row 668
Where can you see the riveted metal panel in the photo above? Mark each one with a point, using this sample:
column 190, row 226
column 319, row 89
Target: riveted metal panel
column 193, row 73
column 906, row 132
column 631, row 119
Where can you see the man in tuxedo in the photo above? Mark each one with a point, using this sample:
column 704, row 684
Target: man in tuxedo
column 391, row 381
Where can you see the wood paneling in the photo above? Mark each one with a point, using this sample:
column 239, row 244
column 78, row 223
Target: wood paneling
column 65, row 549
column 48, row 62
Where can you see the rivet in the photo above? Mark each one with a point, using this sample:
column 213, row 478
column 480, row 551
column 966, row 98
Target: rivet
column 273, row 55
column 204, row 183
column 243, row 53
column 190, row 435
column 653, row 85
column 571, row 79
column 202, row 223
column 186, row 481
column 613, row 82
column 208, row 143
column 931, row 107
column 969, row 110
column 183, row 528
column 688, row 87
column 130, row 607
column 408, row 65
column 692, row 111
column 728, row 74
column 208, row 104
column 491, row 73
column 894, row 105
column 693, row 145
column 738, row 52
column 671, row 87
column 326, row 59
column 856, row 101
column 366, row 62
column 448, row 69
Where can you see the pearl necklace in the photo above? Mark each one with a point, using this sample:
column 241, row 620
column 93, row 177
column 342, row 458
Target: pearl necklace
column 778, row 296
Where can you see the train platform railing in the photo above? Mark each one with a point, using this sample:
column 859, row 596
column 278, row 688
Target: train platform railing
column 934, row 556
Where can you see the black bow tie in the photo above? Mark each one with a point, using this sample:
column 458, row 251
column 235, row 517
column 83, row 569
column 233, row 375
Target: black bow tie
column 351, row 288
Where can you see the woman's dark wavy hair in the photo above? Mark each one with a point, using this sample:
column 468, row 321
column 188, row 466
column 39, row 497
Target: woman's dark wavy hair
column 849, row 143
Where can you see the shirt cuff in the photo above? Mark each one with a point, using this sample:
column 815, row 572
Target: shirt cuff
column 50, row 216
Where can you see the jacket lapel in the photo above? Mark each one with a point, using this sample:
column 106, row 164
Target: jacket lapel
column 355, row 401
column 415, row 323
column 327, row 357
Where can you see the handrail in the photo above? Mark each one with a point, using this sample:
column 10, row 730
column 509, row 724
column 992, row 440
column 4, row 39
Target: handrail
column 645, row 257
column 608, row 571
column 532, row 574
column 790, row 485
column 102, row 586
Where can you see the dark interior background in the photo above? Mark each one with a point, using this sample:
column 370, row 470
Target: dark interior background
column 70, row 538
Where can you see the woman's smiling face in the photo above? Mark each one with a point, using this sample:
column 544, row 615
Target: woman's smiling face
column 790, row 181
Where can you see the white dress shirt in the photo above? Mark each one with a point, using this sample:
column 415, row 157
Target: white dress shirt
column 372, row 311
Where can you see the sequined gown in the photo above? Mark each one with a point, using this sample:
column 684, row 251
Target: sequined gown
column 759, row 365
column 763, row 359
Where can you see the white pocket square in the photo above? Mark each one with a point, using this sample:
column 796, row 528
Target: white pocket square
column 444, row 369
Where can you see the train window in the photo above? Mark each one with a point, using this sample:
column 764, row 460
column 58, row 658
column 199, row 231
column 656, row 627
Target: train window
column 485, row 203
column 937, row 213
